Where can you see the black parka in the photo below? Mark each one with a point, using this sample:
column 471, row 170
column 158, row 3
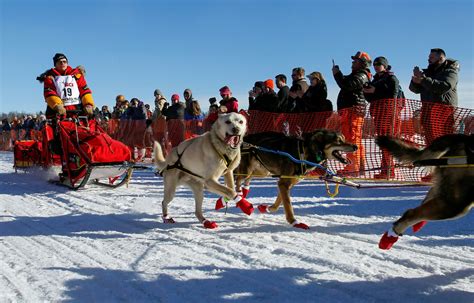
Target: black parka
column 351, row 93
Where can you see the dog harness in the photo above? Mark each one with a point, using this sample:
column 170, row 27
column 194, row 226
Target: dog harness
column 301, row 169
column 179, row 165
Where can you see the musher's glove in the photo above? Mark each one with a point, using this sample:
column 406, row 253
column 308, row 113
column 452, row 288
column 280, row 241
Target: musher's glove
column 89, row 110
column 60, row 109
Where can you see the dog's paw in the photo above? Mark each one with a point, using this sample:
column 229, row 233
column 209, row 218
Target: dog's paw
column 300, row 225
column 418, row 226
column 168, row 220
column 209, row 224
column 387, row 241
column 263, row 208
column 245, row 206
column 220, row 203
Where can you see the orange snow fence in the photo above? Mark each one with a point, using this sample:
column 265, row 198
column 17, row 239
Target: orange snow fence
column 411, row 120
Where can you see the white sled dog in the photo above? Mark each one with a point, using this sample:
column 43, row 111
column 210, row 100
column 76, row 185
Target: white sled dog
column 200, row 161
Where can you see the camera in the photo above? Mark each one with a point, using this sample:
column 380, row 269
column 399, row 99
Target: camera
column 212, row 100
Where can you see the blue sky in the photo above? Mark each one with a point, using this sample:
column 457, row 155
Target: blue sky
column 132, row 47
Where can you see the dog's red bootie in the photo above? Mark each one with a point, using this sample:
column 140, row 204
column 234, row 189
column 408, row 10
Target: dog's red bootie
column 263, row 208
column 244, row 205
column 220, row 203
column 209, row 224
column 245, row 191
column 387, row 241
column 300, row 225
column 418, row 226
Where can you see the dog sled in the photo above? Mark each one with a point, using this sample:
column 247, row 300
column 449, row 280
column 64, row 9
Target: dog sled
column 81, row 149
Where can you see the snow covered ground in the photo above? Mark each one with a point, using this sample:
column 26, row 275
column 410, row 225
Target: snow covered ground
column 100, row 245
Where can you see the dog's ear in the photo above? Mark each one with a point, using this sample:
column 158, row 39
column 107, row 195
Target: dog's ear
column 318, row 136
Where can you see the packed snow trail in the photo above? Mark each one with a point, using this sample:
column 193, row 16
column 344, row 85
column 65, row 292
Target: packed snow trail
column 106, row 245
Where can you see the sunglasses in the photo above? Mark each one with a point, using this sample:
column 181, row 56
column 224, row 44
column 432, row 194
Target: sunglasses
column 377, row 64
column 62, row 61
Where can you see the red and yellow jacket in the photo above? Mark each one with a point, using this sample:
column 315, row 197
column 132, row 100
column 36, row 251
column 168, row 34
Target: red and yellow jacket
column 50, row 93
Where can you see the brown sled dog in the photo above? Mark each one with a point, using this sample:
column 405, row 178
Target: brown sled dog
column 317, row 146
column 452, row 193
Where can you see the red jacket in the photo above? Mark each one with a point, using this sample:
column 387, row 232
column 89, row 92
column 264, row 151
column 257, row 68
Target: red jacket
column 50, row 92
column 232, row 105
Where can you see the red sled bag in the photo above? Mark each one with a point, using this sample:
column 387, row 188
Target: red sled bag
column 88, row 146
column 26, row 153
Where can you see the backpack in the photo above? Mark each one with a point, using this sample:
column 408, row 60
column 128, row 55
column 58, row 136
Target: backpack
column 400, row 94
column 401, row 97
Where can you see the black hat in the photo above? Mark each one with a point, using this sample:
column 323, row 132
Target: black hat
column 383, row 61
column 259, row 84
column 58, row 57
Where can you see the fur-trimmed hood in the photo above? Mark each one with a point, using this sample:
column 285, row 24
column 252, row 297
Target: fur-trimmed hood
column 53, row 72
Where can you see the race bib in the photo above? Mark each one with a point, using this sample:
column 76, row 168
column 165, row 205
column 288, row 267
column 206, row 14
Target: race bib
column 66, row 87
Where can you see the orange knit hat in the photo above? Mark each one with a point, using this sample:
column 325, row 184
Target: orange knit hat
column 269, row 83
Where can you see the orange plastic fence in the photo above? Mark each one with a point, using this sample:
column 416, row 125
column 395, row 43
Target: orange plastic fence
column 411, row 120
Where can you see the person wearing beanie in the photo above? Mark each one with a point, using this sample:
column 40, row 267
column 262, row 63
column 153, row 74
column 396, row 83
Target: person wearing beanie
column 269, row 84
column 65, row 88
column 175, row 98
column 269, row 99
column 386, row 103
column 351, row 107
column 176, row 110
column 161, row 104
column 157, row 92
column 228, row 103
column 255, row 95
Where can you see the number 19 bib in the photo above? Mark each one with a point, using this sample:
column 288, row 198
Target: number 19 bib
column 66, row 87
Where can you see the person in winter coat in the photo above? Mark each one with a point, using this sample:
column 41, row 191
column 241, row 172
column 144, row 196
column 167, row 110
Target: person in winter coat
column 384, row 94
column 175, row 121
column 117, row 109
column 283, row 93
column 105, row 114
column 188, row 98
column 351, row 106
column 315, row 98
column 137, row 110
column 6, row 127
column 269, row 99
column 255, row 95
column 437, row 86
column 266, row 99
column 193, row 117
column 230, row 103
column 65, row 88
column 212, row 116
column 161, row 104
column 298, row 87
column 194, row 113
column 176, row 110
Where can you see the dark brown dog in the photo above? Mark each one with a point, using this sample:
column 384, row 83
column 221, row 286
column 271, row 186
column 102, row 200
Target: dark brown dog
column 452, row 193
column 316, row 147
